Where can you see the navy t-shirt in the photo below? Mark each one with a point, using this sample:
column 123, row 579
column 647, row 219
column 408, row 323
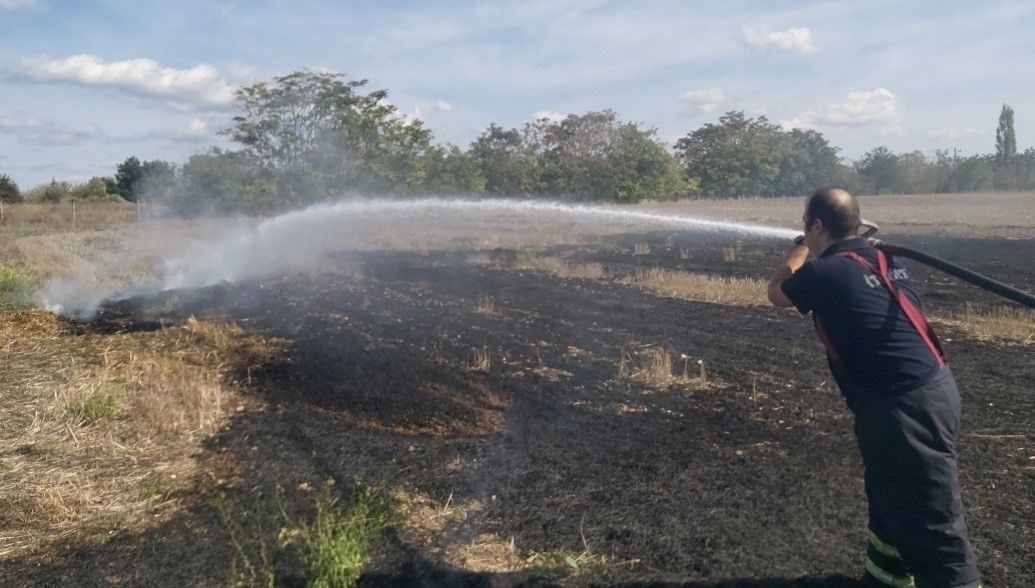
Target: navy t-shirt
column 878, row 346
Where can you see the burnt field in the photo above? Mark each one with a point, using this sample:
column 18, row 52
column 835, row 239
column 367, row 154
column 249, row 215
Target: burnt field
column 571, row 427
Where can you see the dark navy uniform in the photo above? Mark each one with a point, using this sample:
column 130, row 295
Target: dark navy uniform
column 892, row 374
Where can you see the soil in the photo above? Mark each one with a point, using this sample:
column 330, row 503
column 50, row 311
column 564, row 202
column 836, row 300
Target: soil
column 749, row 477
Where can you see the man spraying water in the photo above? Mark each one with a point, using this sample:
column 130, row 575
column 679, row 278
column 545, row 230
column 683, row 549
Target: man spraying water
column 892, row 372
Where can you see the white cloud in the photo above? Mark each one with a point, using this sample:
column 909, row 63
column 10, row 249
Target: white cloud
column 793, row 39
column 703, row 100
column 423, row 108
column 857, row 108
column 796, row 123
column 196, row 131
column 554, row 117
column 953, row 133
column 33, row 131
column 12, row 4
column 199, row 86
column 197, row 128
column 213, row 15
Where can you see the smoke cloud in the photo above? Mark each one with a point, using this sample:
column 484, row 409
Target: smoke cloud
column 301, row 239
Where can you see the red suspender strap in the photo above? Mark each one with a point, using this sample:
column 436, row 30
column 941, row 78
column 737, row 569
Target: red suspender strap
column 915, row 316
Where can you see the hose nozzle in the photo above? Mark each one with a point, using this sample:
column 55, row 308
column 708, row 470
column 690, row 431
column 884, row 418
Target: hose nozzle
column 867, row 228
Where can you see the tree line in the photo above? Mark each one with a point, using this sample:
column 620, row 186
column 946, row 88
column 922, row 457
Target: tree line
column 311, row 136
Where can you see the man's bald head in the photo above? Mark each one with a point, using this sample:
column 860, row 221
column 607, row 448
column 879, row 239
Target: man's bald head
column 838, row 210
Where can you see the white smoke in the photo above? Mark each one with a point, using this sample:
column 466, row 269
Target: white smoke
column 301, row 239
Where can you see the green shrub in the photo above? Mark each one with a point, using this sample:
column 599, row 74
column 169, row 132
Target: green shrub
column 96, row 189
column 9, row 191
column 52, row 192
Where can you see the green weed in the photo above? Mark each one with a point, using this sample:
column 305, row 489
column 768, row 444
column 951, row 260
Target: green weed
column 160, row 488
column 566, row 561
column 338, row 543
column 253, row 545
column 330, row 541
column 16, row 285
column 98, row 405
column 524, row 255
column 570, row 562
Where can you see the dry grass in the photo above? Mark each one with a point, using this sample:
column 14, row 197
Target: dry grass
column 700, row 287
column 563, row 268
column 674, row 284
column 640, row 249
column 444, row 527
column 653, row 366
column 485, row 304
column 90, row 423
column 1004, row 324
column 481, row 360
column 36, row 216
column 478, row 259
column 731, row 254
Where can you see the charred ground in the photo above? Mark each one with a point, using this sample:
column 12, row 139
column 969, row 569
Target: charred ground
column 524, row 448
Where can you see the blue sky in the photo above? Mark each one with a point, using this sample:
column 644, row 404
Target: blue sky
column 83, row 85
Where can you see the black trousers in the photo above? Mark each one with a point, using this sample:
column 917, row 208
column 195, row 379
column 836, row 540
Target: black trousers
column 908, row 445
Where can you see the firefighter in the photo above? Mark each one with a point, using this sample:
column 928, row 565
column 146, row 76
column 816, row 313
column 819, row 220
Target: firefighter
column 891, row 370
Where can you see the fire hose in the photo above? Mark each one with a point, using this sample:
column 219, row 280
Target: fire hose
column 971, row 277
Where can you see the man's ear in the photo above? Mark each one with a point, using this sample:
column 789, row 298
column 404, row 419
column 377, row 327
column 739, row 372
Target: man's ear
column 817, row 225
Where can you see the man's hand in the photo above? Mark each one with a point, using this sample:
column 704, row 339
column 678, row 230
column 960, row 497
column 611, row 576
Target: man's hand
column 794, row 260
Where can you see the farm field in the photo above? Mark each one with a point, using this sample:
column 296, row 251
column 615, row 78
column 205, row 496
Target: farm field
column 502, row 401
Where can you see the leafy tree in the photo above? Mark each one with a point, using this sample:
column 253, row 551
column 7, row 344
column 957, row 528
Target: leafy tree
column 880, row 168
column 9, row 191
column 508, row 164
column 127, row 176
column 596, row 156
column 157, row 181
column 1017, row 172
column 917, row 175
column 954, row 173
column 136, row 180
column 1005, row 137
column 320, row 136
column 808, row 161
column 451, row 171
column 637, row 166
column 223, row 181
column 573, row 152
column 737, row 156
column 975, row 174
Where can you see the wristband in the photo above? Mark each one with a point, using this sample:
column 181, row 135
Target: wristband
column 799, row 240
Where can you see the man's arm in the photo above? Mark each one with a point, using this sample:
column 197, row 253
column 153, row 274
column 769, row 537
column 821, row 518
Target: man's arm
column 794, row 260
